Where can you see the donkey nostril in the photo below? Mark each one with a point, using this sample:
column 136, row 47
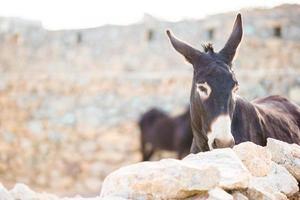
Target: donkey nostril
column 217, row 143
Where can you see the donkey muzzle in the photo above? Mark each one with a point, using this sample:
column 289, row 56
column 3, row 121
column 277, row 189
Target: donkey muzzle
column 220, row 135
column 219, row 143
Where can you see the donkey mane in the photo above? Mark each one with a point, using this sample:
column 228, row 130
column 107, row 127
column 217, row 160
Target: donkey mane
column 208, row 48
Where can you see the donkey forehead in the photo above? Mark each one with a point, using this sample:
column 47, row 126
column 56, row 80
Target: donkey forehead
column 210, row 59
column 215, row 72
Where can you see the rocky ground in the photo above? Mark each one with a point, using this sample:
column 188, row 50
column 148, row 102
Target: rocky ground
column 246, row 172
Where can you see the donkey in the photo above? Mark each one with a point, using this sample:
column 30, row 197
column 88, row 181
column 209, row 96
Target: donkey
column 219, row 117
column 159, row 131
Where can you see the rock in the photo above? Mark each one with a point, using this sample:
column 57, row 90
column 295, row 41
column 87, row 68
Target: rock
column 234, row 175
column 201, row 196
column 84, row 198
column 280, row 196
column 258, row 194
column 88, row 198
column 110, row 198
column 22, row 191
column 239, row 196
column 295, row 196
column 287, row 155
column 277, row 180
column 218, row 194
column 165, row 179
column 4, row 195
column 256, row 158
column 220, row 174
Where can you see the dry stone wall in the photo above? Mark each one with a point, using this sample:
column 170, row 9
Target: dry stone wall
column 221, row 174
column 218, row 174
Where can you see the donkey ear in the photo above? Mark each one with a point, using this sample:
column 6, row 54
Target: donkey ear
column 189, row 52
column 233, row 41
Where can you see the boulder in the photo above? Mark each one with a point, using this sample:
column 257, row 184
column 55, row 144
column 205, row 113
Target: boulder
column 233, row 174
column 213, row 194
column 239, row 196
column 258, row 194
column 219, row 194
column 277, row 180
column 246, row 172
column 23, row 192
column 256, row 158
column 295, row 196
column 165, row 179
column 287, row 155
column 106, row 198
column 4, row 195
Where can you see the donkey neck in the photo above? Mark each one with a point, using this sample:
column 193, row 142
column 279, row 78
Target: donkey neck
column 247, row 123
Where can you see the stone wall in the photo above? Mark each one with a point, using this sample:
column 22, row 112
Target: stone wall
column 246, row 172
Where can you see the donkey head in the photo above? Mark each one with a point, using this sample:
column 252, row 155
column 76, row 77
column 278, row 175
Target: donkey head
column 214, row 85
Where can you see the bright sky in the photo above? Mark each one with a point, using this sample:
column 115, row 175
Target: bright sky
column 66, row 14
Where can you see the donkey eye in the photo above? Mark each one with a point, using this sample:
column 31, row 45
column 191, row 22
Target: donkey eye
column 203, row 90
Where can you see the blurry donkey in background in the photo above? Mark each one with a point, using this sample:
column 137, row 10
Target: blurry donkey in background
column 219, row 117
column 162, row 132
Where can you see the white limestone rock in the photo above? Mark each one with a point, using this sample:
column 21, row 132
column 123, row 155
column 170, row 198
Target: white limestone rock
column 258, row 194
column 4, row 194
column 219, row 194
column 256, row 158
column 233, row 173
column 239, row 196
column 287, row 155
column 165, row 179
column 277, row 180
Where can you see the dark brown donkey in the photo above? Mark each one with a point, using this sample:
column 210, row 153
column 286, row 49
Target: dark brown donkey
column 219, row 117
column 161, row 132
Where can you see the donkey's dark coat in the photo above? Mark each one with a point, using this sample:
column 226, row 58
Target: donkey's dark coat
column 273, row 116
column 159, row 131
column 213, row 101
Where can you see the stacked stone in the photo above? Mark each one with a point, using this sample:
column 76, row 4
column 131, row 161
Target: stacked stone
column 246, row 172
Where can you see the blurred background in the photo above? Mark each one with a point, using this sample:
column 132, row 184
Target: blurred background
column 75, row 77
